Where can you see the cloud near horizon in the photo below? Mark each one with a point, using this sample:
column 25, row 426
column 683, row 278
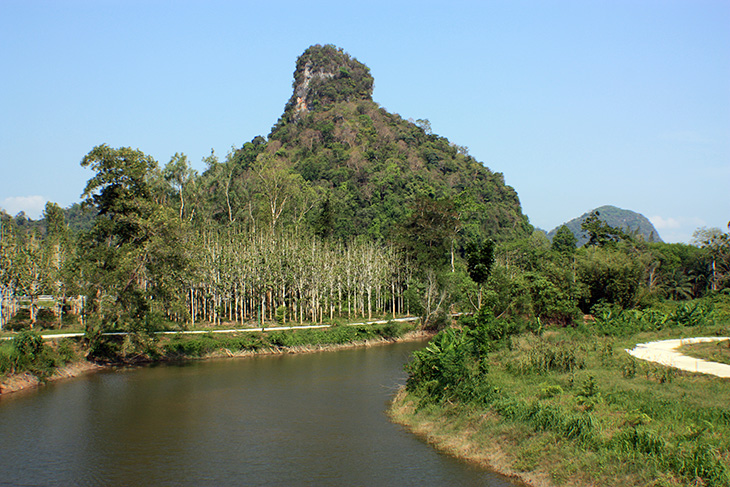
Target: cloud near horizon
column 677, row 229
column 33, row 206
column 661, row 223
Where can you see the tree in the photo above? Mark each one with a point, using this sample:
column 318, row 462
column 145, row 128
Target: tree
column 7, row 249
column 601, row 233
column 564, row 241
column 135, row 257
column 717, row 243
column 179, row 175
column 479, row 260
column 278, row 185
column 325, row 222
column 57, row 246
column 608, row 275
column 428, row 233
column 31, row 265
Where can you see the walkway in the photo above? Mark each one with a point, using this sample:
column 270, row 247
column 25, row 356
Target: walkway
column 665, row 353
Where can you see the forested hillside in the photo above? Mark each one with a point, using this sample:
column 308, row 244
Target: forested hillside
column 343, row 210
column 353, row 168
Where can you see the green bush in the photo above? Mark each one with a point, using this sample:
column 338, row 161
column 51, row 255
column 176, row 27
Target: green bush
column 548, row 391
column 692, row 314
column 281, row 315
column 30, row 354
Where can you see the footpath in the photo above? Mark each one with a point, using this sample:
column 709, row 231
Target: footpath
column 665, row 352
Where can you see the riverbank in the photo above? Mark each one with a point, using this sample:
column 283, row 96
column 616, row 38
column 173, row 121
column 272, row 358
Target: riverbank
column 568, row 408
column 180, row 348
column 457, row 433
column 26, row 380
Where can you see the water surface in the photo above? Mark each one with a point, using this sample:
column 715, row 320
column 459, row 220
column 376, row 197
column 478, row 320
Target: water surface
column 312, row 419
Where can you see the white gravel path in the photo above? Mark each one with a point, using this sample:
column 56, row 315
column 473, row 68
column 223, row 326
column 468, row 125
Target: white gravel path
column 665, row 352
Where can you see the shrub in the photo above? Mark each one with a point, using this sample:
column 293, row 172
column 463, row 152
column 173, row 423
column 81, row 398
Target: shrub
column 31, row 354
column 281, row 314
column 629, row 368
column 692, row 314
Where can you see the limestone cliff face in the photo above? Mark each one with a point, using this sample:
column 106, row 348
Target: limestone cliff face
column 325, row 75
column 301, row 91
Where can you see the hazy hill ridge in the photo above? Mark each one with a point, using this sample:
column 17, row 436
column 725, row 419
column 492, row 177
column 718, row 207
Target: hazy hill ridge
column 627, row 220
column 372, row 167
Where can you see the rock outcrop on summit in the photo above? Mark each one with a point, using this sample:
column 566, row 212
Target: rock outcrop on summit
column 326, row 75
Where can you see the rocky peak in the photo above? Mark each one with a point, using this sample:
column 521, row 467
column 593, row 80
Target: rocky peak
column 326, row 75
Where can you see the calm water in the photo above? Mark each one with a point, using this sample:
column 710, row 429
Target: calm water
column 315, row 419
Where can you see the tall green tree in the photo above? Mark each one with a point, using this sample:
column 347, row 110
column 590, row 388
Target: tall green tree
column 135, row 256
column 564, row 241
column 601, row 233
column 479, row 260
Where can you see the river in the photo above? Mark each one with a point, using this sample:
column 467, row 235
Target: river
column 310, row 419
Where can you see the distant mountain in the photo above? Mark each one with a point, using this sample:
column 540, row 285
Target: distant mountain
column 627, row 220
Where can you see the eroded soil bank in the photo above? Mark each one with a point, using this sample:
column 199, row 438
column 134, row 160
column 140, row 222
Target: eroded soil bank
column 26, row 380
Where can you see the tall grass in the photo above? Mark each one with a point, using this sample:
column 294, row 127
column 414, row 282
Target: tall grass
column 577, row 384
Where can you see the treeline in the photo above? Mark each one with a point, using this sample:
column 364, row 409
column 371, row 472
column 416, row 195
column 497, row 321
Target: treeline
column 284, row 277
column 252, row 240
column 556, row 281
column 148, row 258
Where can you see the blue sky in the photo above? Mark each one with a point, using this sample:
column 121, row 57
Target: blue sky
column 578, row 103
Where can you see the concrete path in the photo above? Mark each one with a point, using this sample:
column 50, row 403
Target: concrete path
column 665, row 353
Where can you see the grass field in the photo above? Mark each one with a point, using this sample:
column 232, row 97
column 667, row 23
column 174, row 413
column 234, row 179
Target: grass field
column 573, row 408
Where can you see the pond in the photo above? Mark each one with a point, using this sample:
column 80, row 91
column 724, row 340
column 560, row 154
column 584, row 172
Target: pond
column 310, row 419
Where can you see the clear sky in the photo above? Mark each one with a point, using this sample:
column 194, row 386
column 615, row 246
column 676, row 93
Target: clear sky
column 579, row 103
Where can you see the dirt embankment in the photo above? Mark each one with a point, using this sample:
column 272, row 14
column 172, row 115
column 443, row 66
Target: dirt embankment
column 26, row 380
column 460, row 442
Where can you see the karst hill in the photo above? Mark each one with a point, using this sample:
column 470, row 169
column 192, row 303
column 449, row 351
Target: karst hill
column 373, row 171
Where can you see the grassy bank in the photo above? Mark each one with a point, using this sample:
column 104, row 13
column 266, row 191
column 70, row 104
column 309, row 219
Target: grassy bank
column 569, row 406
column 182, row 347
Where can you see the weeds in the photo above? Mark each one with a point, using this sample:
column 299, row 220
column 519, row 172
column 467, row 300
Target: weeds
column 543, row 357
